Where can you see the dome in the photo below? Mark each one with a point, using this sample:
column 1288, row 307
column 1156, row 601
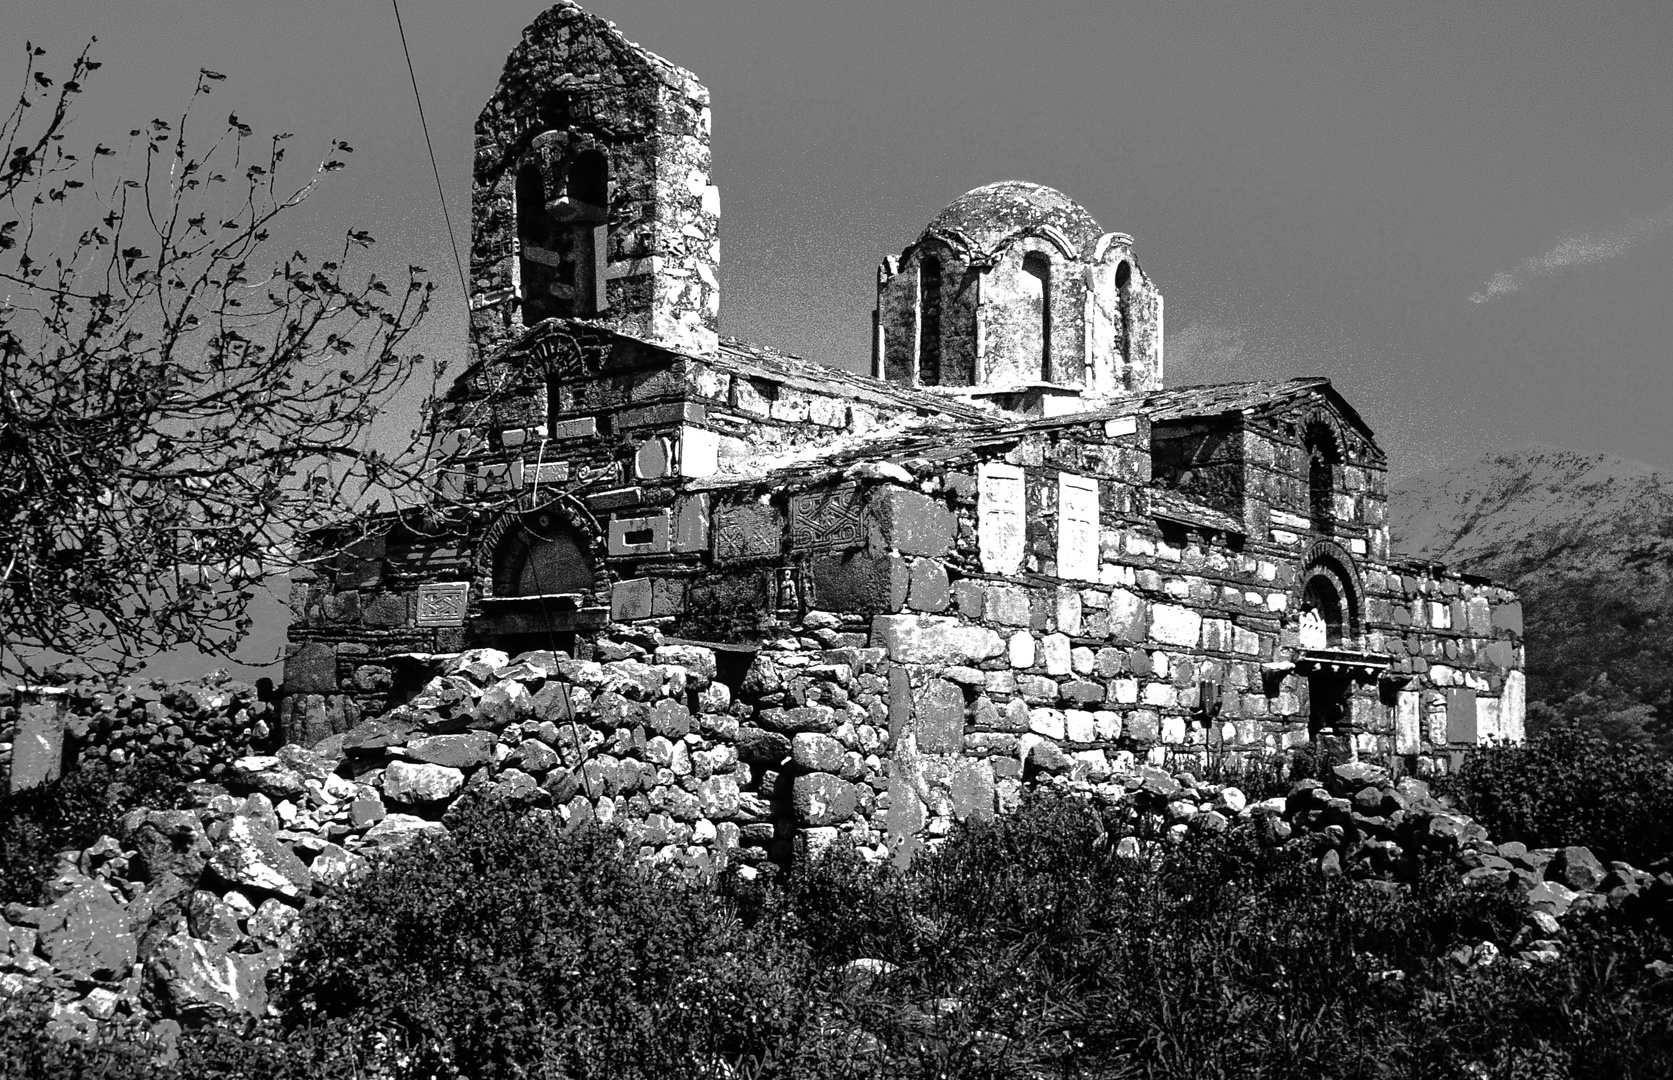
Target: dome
column 984, row 219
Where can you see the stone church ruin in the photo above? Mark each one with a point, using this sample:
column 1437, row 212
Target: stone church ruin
column 1010, row 549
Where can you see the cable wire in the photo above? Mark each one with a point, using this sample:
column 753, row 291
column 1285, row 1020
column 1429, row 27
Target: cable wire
column 458, row 263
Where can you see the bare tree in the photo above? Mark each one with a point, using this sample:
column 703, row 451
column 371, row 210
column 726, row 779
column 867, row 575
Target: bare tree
column 178, row 399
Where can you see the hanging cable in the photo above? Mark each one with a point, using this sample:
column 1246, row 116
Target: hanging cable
column 425, row 124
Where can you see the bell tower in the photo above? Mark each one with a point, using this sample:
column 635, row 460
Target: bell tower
column 591, row 195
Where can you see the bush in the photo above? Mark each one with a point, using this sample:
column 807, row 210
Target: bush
column 71, row 813
column 1570, row 785
column 515, row 947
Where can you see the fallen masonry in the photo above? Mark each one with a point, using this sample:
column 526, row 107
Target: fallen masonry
column 180, row 919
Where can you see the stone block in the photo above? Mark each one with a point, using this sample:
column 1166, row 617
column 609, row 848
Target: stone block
column 1021, row 650
column 934, row 639
column 38, row 744
column 1461, row 716
column 1007, row 604
column 1174, row 625
column 971, row 790
column 1508, row 617
column 1078, row 725
column 938, row 717
column 1128, row 616
column 650, row 534
column 1069, row 611
column 1055, row 654
column 816, row 752
column 630, row 600
column 584, row 428
column 1001, row 518
column 858, row 582
column 311, row 668
column 928, row 588
column 911, row 522
column 1047, row 722
column 410, row 783
column 820, row 799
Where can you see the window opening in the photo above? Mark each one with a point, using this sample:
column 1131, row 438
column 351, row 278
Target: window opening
column 929, row 322
column 1036, row 265
column 537, row 260
column 1124, row 304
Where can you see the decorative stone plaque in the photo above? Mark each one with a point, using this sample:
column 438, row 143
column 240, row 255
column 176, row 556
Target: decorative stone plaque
column 1001, row 529
column 443, row 603
column 1077, row 527
column 826, row 520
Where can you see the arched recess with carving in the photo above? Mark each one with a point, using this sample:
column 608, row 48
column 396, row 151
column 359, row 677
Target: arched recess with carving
column 554, row 548
column 1329, row 589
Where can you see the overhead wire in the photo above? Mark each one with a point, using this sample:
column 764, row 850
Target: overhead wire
column 441, row 193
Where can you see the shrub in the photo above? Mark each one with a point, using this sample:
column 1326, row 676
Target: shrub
column 513, row 946
column 1570, row 785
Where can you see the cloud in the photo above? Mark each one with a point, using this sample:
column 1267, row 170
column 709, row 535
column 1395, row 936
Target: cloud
column 1576, row 250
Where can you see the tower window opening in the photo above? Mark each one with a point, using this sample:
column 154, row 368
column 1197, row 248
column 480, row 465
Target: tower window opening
column 929, row 322
column 1037, row 266
column 585, row 211
column 536, row 260
column 1124, row 304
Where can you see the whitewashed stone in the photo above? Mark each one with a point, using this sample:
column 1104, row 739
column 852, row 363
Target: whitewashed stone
column 1054, row 650
column 1022, row 650
column 934, row 639
column 1047, row 722
column 1175, row 625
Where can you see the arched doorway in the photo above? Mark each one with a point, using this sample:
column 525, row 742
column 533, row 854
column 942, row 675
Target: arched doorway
column 543, row 574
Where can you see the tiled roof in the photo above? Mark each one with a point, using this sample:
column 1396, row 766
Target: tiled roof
column 742, row 358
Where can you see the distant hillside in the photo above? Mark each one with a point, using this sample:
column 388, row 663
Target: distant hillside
column 1588, row 538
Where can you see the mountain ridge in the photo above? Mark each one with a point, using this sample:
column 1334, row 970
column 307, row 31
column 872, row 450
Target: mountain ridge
column 1588, row 541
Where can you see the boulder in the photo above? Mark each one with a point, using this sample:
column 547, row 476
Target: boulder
column 399, row 830
column 268, row 775
column 759, row 747
column 275, row 926
column 452, row 751
column 534, row 756
column 409, row 783
column 201, row 982
column 1577, row 868
column 165, row 842
column 504, row 703
column 249, row 856
column 211, row 919
column 85, row 934
column 334, row 866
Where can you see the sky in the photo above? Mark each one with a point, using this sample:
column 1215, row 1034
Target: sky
column 1461, row 213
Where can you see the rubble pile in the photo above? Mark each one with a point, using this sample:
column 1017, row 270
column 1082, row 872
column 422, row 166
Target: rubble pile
column 193, row 726
column 1362, row 824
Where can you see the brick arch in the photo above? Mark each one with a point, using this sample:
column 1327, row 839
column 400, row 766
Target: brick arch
column 572, row 514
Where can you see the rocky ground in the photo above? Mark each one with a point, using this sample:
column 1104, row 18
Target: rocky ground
column 181, row 917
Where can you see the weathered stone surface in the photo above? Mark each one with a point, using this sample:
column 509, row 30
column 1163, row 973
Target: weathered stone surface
column 938, row 717
column 250, row 856
column 275, row 926
column 913, row 523
column 505, row 702
column 409, row 783
column 85, row 934
column 1577, row 868
column 670, row 718
column 200, row 982
column 822, row 799
column 311, row 668
column 928, row 589
column 760, row 747
column 816, row 752
column 1174, row 625
column 165, row 842
column 334, row 866
column 718, row 797
column 534, row 756
column 38, row 743
column 933, row 639
column 462, row 751
column 398, row 830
